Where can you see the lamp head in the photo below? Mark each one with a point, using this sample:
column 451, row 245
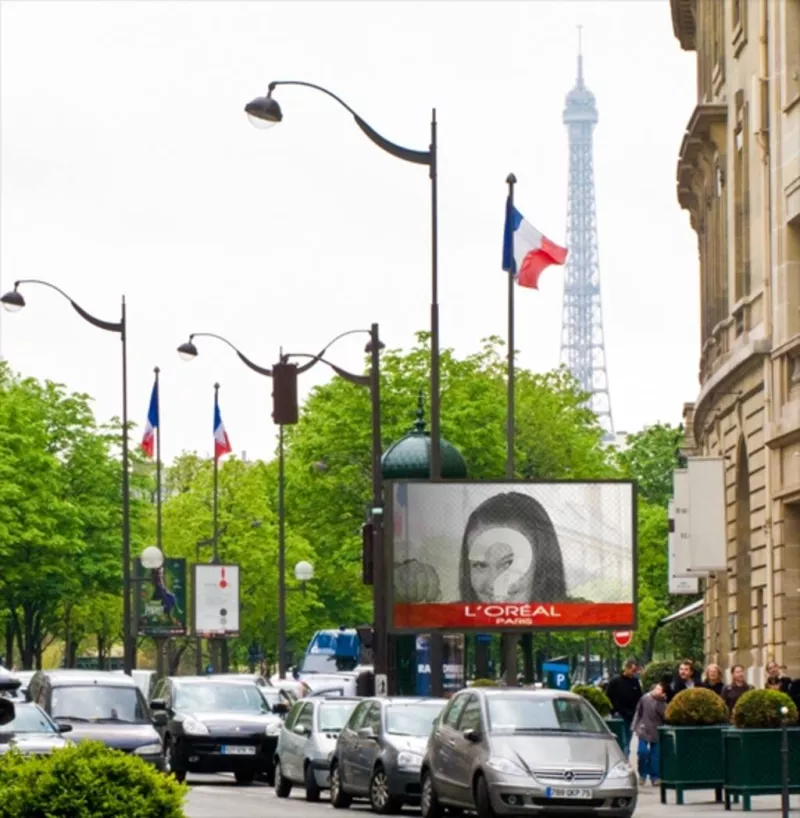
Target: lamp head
column 263, row 112
column 187, row 351
column 152, row 558
column 368, row 347
column 13, row 301
column 304, row 571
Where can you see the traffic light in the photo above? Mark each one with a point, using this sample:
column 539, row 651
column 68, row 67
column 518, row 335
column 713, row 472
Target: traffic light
column 367, row 552
column 284, row 394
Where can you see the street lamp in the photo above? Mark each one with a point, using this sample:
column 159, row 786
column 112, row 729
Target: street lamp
column 151, row 558
column 188, row 351
column 13, row 301
column 265, row 112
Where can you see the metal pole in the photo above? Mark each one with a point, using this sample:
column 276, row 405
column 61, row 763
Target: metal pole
column 158, row 463
column 215, row 643
column 784, row 766
column 381, row 594
column 281, row 557
column 129, row 645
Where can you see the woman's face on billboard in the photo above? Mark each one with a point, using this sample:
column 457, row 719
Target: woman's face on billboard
column 500, row 563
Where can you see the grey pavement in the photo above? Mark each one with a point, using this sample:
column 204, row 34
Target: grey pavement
column 218, row 796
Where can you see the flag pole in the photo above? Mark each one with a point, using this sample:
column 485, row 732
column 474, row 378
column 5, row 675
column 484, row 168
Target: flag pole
column 156, row 370
column 511, row 180
column 216, row 480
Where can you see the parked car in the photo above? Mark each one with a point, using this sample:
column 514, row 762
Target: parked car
column 217, row 725
column 24, row 677
column 255, row 678
column 102, row 706
column 145, row 680
column 518, row 752
column 379, row 752
column 32, row 731
column 306, row 743
column 279, row 700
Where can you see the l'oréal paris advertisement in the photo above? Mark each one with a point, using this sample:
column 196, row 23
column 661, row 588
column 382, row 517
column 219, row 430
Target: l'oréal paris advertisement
column 500, row 556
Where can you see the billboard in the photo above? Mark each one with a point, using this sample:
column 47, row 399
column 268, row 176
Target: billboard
column 708, row 526
column 216, row 600
column 485, row 556
column 679, row 579
column 161, row 599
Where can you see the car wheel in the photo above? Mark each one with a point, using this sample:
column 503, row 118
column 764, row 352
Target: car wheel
column 380, row 798
column 339, row 798
column 169, row 763
column 312, row 788
column 483, row 804
column 283, row 787
column 429, row 803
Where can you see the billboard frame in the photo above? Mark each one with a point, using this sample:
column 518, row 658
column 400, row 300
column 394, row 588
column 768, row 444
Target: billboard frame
column 388, row 544
column 216, row 634
column 141, row 578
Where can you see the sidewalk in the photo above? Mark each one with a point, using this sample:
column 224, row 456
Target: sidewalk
column 700, row 804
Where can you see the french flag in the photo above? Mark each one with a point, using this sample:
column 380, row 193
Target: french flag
column 148, row 443
column 222, row 444
column 526, row 252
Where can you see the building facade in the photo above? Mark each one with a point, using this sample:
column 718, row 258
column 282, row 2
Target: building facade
column 738, row 176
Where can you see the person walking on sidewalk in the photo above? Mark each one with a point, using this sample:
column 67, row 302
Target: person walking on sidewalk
column 624, row 693
column 737, row 688
column 648, row 718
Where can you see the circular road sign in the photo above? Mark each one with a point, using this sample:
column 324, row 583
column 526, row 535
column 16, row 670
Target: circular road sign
column 623, row 638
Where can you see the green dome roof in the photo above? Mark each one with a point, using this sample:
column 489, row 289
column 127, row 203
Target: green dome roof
column 410, row 457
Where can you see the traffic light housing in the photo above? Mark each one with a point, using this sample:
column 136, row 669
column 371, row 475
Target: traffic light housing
column 284, row 394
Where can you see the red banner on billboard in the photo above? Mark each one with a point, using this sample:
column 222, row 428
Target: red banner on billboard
column 461, row 616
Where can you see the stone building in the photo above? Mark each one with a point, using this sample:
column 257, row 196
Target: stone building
column 738, row 175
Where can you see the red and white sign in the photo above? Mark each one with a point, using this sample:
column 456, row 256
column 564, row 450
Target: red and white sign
column 623, row 638
column 216, row 600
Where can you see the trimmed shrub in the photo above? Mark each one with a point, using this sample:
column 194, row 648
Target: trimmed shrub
column 696, row 707
column 86, row 781
column 655, row 672
column 762, row 708
column 484, row 683
column 596, row 698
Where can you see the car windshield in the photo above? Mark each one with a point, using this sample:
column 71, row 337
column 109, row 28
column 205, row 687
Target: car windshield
column 334, row 716
column 327, row 663
column 97, row 703
column 29, row 719
column 411, row 719
column 519, row 714
column 204, row 698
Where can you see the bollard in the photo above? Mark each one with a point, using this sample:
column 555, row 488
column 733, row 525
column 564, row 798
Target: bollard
column 785, row 762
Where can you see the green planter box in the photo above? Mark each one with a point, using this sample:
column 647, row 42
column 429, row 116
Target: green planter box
column 691, row 758
column 753, row 763
column 618, row 728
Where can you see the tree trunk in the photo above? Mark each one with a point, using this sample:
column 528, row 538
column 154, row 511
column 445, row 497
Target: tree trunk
column 101, row 646
column 9, row 642
column 527, row 658
column 175, row 658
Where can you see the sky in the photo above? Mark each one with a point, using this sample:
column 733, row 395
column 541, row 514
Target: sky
column 129, row 167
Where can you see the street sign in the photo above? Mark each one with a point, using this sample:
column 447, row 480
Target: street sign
column 381, row 684
column 623, row 638
column 216, row 601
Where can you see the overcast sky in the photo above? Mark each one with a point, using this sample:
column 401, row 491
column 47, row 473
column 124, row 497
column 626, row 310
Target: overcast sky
column 128, row 166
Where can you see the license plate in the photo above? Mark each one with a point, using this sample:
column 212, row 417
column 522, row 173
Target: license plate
column 553, row 792
column 234, row 750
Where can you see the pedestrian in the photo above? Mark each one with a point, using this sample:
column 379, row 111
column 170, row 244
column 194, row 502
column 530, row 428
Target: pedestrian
column 713, row 679
column 732, row 692
column 776, row 679
column 648, row 718
column 624, row 692
column 686, row 679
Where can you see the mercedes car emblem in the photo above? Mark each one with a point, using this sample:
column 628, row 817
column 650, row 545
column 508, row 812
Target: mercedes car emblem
column 569, row 775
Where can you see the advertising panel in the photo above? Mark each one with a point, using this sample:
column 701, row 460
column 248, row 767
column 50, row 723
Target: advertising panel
column 708, row 526
column 678, row 552
column 161, row 599
column 495, row 556
column 216, row 600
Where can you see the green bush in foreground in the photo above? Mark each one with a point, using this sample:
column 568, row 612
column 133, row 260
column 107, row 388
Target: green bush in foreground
column 86, row 781
column 762, row 708
column 596, row 698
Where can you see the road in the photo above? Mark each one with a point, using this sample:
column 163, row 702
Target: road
column 218, row 796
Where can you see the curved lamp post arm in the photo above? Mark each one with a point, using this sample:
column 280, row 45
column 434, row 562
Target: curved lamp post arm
column 406, row 154
column 110, row 326
column 262, row 370
column 359, row 380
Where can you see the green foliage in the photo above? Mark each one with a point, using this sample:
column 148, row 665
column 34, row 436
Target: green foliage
column 86, row 781
column 656, row 672
column 762, row 708
column 697, row 706
column 484, row 683
column 596, row 698
column 649, row 457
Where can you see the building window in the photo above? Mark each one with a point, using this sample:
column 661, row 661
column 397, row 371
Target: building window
column 738, row 26
column 741, row 201
column 762, row 620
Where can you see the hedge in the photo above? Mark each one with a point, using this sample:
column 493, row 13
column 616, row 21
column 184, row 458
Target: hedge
column 596, row 698
column 696, row 707
column 762, row 708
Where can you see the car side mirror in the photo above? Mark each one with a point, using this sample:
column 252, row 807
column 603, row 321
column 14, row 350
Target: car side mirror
column 301, row 730
column 7, row 711
column 64, row 728
column 367, row 732
column 160, row 719
column 472, row 735
column 158, row 704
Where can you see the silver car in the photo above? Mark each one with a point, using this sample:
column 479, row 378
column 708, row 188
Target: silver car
column 307, row 741
column 525, row 752
column 379, row 752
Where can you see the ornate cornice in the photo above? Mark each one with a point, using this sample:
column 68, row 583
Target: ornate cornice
column 684, row 24
column 704, row 136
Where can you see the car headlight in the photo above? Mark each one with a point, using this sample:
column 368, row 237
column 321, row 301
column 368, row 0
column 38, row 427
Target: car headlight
column 148, row 749
column 273, row 728
column 408, row 759
column 621, row 770
column 505, row 766
column 193, row 727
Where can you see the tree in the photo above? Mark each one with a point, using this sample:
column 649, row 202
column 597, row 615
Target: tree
column 650, row 457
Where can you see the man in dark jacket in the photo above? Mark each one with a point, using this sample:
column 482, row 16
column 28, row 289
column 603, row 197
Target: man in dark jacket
column 687, row 677
column 624, row 693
